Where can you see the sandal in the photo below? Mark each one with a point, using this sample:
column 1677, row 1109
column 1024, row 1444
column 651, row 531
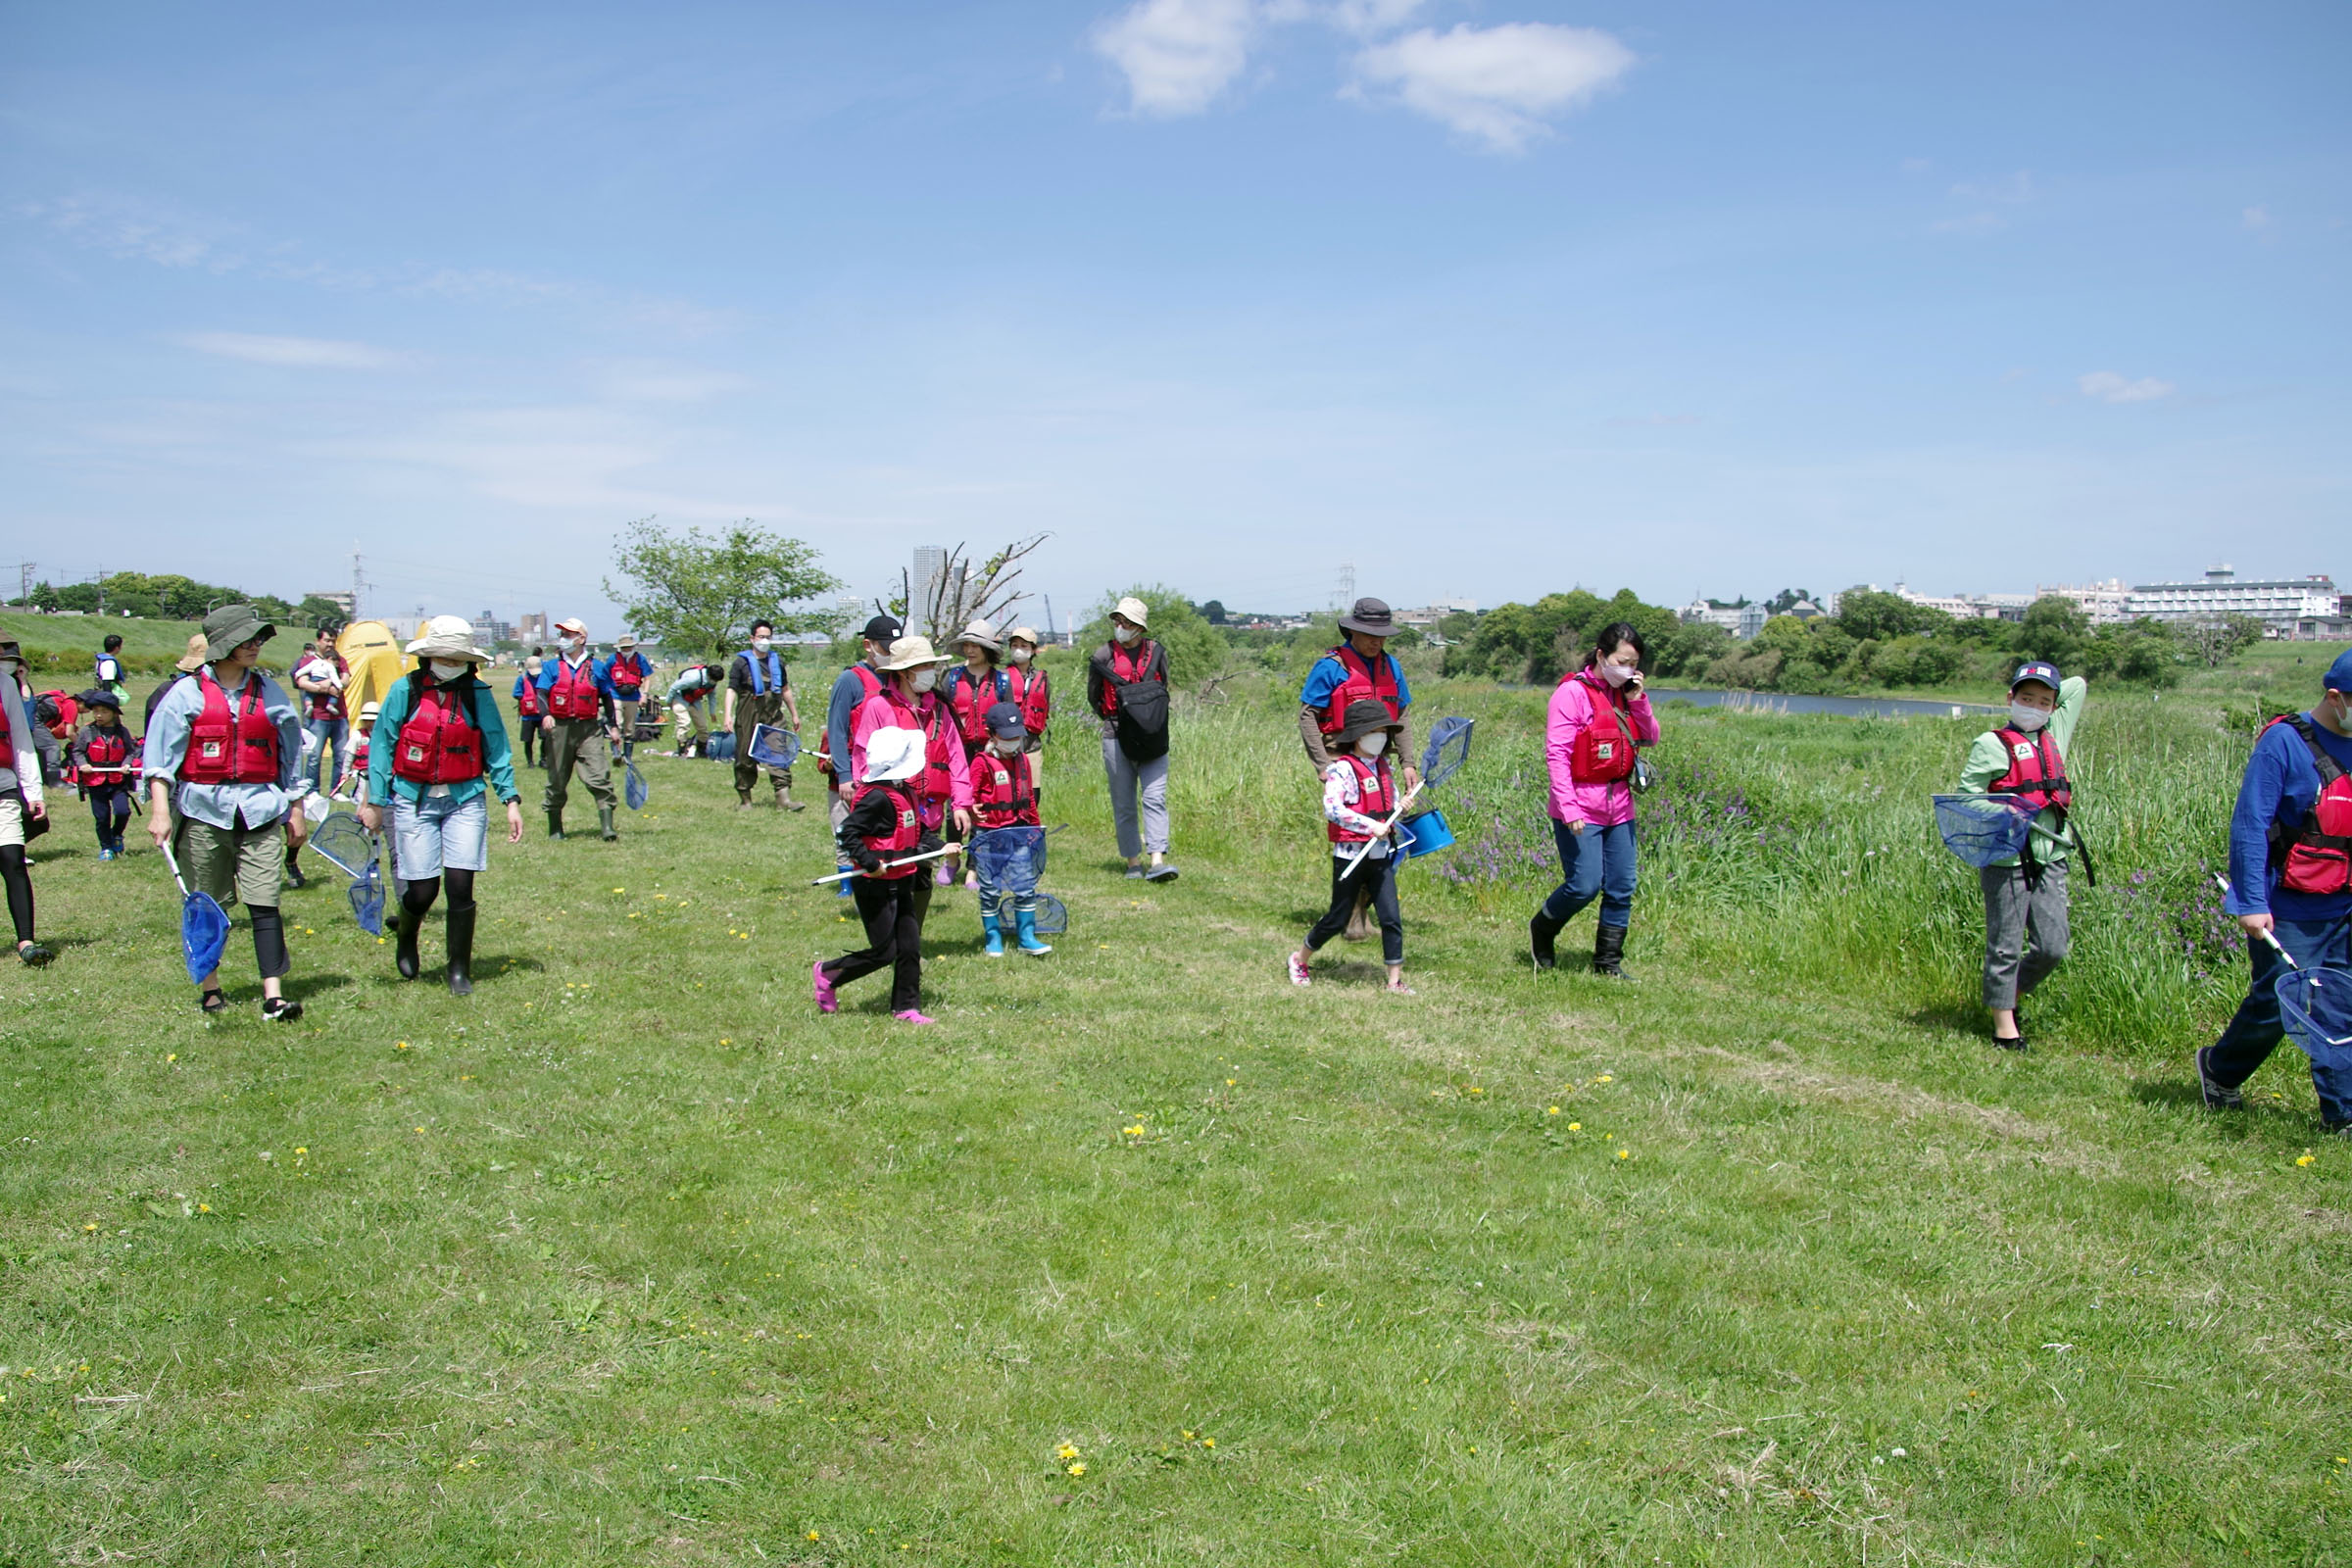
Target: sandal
column 214, row 1000
column 282, row 1010
column 33, row 954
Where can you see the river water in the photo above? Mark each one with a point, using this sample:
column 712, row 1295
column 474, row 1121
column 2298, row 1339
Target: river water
column 1850, row 706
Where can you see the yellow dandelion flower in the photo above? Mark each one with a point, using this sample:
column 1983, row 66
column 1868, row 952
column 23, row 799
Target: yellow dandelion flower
column 1209, row 1442
column 620, row 890
column 813, row 1536
column 724, row 1041
column 301, row 1150
column 1229, row 1083
column 1605, row 1078
column 400, row 1045
column 1068, row 1450
column 1625, row 1153
column 1078, row 1467
column 89, row 1227
column 175, row 1056
column 204, row 1209
column 1575, row 1126
column 420, row 1129
column 1551, row 1110
column 1188, row 1437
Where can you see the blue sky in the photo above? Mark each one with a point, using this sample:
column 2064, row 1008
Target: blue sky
column 1486, row 299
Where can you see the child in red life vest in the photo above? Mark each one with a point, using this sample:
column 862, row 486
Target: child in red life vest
column 353, row 785
column 2025, row 897
column 1360, row 797
column 105, row 758
column 1004, row 798
column 883, row 825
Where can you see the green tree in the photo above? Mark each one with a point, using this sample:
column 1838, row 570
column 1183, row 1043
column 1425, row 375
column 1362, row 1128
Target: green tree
column 1195, row 651
column 2053, row 629
column 1864, row 614
column 689, row 590
column 317, row 612
column 1213, row 612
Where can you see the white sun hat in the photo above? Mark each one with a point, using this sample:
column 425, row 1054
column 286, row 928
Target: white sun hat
column 447, row 637
column 893, row 753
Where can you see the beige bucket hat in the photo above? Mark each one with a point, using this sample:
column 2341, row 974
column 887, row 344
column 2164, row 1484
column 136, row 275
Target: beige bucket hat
column 911, row 652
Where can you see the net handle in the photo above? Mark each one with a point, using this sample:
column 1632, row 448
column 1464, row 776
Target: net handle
column 2271, row 937
column 1386, row 828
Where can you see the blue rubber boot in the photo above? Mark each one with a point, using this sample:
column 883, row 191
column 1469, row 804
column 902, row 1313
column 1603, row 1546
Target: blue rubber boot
column 995, row 934
column 840, row 889
column 1027, row 926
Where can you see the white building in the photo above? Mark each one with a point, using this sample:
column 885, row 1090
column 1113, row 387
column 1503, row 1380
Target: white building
column 2105, row 603
column 2280, row 604
column 1743, row 620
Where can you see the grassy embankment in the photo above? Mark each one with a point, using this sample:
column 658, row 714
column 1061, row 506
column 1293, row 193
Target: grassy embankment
column 1763, row 1258
column 61, row 648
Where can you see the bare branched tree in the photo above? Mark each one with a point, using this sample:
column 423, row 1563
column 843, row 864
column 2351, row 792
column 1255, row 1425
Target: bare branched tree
column 962, row 594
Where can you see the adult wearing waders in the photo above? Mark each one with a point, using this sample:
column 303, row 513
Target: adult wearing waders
column 1359, row 670
column 851, row 688
column 909, row 700
column 1127, row 687
column 23, row 809
column 2291, row 876
column 969, row 690
column 444, row 748
column 1600, row 716
column 109, row 669
column 626, row 672
column 577, row 729
column 528, row 708
column 223, row 768
column 1027, row 679
column 2026, row 895
column 759, row 692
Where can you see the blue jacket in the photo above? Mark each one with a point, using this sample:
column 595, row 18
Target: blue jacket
column 498, row 761
column 1329, row 672
column 636, row 662
column 2280, row 786
column 597, row 669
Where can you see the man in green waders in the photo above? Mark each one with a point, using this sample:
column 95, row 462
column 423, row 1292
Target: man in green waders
column 575, row 705
column 759, row 692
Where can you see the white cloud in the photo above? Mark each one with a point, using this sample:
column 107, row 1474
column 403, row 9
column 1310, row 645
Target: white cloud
column 2015, row 189
column 1495, row 84
column 296, row 353
column 2256, row 219
column 1178, row 55
column 1368, row 19
column 632, row 382
column 1970, row 223
column 2109, row 388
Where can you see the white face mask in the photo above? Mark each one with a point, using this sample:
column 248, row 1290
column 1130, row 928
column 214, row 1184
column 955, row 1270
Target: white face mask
column 1372, row 744
column 572, row 645
column 1007, row 748
column 2028, row 719
column 1128, row 636
column 759, row 645
column 1020, row 656
column 923, row 680
column 447, row 669
column 1617, row 674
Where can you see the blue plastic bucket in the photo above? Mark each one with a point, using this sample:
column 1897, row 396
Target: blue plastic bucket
column 1425, row 833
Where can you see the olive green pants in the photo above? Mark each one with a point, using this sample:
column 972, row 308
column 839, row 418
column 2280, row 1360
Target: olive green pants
column 232, row 863
column 751, row 712
column 578, row 743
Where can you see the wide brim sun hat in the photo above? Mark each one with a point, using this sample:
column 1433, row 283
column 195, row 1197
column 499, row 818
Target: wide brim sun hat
column 911, row 652
column 1362, row 717
column 1133, row 609
column 193, row 660
column 230, row 627
column 1370, row 616
column 893, row 753
column 447, row 637
column 981, row 632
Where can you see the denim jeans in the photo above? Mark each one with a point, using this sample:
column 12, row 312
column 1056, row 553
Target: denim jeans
column 319, row 734
column 2256, row 1029
column 1599, row 862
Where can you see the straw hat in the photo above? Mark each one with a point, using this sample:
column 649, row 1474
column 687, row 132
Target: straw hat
column 193, row 660
column 1133, row 609
column 447, row 637
column 981, row 632
column 911, row 652
column 893, row 753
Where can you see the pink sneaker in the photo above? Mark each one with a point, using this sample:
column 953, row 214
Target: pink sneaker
column 1298, row 974
column 826, row 1000
column 943, row 877
column 912, row 1016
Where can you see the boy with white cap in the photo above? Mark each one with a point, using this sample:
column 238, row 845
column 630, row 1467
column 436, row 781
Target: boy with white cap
column 884, row 824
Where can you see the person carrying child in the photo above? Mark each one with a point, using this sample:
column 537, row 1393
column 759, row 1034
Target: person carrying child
column 2025, row 895
column 884, row 823
column 102, row 761
column 1360, row 797
column 1005, row 796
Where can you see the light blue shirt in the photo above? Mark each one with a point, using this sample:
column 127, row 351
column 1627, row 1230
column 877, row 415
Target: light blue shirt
column 223, row 804
column 498, row 760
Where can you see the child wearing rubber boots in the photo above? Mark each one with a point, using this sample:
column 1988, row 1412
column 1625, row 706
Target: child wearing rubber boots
column 2024, row 895
column 1005, row 796
column 104, row 760
column 1360, row 798
column 884, row 824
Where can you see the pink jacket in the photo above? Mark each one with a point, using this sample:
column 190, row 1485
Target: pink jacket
column 1576, row 702
column 876, row 713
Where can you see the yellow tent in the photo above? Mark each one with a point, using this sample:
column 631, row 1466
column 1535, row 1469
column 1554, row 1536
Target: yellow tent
column 375, row 661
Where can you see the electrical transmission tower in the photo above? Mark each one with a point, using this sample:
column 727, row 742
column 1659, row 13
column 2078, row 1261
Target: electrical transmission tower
column 1346, row 597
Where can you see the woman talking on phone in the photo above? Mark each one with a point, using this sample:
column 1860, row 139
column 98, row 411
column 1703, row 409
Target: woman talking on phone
column 1599, row 717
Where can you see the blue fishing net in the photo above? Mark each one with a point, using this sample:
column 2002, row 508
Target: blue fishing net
column 774, row 748
column 1011, row 859
column 341, row 839
column 633, row 787
column 203, row 933
column 1982, row 829
column 366, row 894
column 1447, row 750
column 1052, row 915
column 2316, row 1005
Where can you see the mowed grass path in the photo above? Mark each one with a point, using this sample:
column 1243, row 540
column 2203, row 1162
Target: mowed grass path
column 634, row 1258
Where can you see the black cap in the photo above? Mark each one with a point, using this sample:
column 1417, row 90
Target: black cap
column 1003, row 721
column 99, row 696
column 884, row 629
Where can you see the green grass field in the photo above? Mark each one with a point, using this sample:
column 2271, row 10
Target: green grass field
column 61, row 649
column 1145, row 1256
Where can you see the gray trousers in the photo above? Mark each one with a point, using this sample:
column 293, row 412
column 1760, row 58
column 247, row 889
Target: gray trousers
column 1128, row 780
column 2025, row 931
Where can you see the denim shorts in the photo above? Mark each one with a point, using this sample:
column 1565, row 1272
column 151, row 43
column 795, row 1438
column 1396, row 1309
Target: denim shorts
column 438, row 831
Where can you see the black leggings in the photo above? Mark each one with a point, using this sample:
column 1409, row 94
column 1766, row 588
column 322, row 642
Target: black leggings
column 268, row 939
column 20, row 890
column 1380, row 877
column 417, row 897
column 892, row 910
column 530, row 739
column 110, row 808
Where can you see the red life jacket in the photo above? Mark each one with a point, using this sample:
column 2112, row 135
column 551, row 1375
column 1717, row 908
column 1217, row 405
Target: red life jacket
column 1602, row 753
column 1375, row 797
column 869, row 687
column 439, row 740
column 1363, row 683
column 904, row 834
column 1004, row 791
column 971, row 702
column 226, row 749
column 2036, row 772
column 527, row 704
column 940, row 744
column 102, row 749
column 1028, row 684
column 1126, row 670
column 573, row 695
column 2317, row 853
